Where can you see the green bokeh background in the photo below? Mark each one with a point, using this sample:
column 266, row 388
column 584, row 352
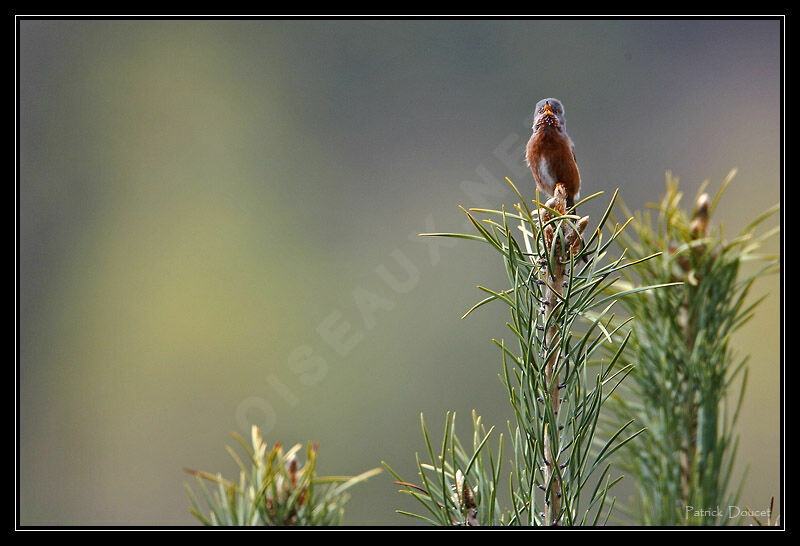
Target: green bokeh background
column 198, row 198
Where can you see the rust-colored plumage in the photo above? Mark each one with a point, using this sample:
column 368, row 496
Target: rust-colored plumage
column 551, row 153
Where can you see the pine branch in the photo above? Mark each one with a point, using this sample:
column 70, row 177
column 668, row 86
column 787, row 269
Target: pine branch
column 556, row 386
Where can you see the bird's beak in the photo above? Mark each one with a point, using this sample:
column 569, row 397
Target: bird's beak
column 547, row 110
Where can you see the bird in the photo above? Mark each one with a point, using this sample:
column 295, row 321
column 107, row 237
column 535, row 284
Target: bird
column 550, row 152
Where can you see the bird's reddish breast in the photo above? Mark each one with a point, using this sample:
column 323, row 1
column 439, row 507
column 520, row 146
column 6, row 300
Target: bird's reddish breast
column 557, row 151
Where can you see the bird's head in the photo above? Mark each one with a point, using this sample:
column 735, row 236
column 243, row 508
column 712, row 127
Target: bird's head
column 549, row 113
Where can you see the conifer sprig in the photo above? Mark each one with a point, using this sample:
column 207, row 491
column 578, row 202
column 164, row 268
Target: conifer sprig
column 689, row 383
column 273, row 489
column 559, row 275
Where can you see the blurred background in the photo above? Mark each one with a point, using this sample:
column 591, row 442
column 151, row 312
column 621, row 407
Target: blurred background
column 218, row 219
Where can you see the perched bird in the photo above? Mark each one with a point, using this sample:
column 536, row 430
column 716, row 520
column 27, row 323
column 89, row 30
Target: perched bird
column 551, row 153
